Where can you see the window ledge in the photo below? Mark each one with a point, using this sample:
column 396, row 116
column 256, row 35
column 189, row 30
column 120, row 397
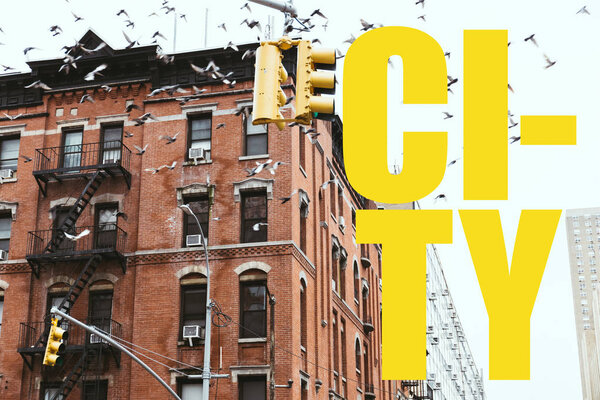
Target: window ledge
column 302, row 349
column 255, row 157
column 193, row 164
column 8, row 180
column 252, row 340
column 185, row 343
column 303, row 171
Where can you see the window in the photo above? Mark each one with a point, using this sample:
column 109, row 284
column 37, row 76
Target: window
column 95, row 390
column 106, row 225
column 100, row 310
column 254, row 217
column 9, row 152
column 332, row 193
column 5, row 224
column 335, row 255
column 356, row 282
column 303, row 220
column 50, row 389
column 336, row 352
column 199, row 206
column 72, row 147
column 256, row 138
column 190, row 389
column 343, row 346
column 340, row 201
column 343, row 261
column 303, row 326
column 253, row 313
column 354, row 218
column 365, row 305
column 111, row 143
column 253, row 388
column 302, row 148
column 366, row 364
column 193, row 303
column 357, row 355
column 199, row 133
column 1, row 309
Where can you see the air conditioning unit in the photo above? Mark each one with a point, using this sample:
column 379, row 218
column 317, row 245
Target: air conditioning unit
column 437, row 386
column 191, row 332
column 448, row 367
column 463, row 368
column 435, row 340
column 432, row 296
column 3, row 255
column 342, row 222
column 193, row 240
column 471, row 362
column 96, row 339
column 453, row 314
column 196, row 154
column 431, row 376
column 430, row 329
column 450, row 306
column 454, row 377
column 450, row 335
column 445, row 326
column 445, row 292
column 6, row 173
column 454, row 346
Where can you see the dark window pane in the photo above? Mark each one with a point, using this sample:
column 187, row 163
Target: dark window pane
column 199, row 206
column 253, row 389
column 253, row 304
column 256, row 144
column 255, row 207
column 95, row 390
column 9, row 153
column 254, row 211
column 193, row 305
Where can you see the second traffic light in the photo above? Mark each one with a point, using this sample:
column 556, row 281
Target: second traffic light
column 311, row 82
column 55, row 346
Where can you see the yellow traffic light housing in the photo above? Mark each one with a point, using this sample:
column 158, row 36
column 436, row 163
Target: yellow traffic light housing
column 55, row 347
column 311, row 82
column 268, row 95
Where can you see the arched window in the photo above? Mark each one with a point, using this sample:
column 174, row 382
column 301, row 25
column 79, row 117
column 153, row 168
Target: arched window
column 100, row 306
column 356, row 282
column 193, row 305
column 358, row 355
column 303, row 316
column 253, row 304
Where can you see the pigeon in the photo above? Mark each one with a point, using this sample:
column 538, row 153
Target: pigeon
column 56, row 30
column 38, row 85
column 132, row 106
column 221, row 125
column 453, row 161
column 422, row 17
column 131, row 42
column 325, row 184
column 106, row 88
column 273, row 167
column 514, row 139
column 512, row 123
column 222, row 26
column 510, row 88
column 319, row 13
column 140, row 150
column 232, row 46
column 339, row 54
column 532, row 40
column 251, row 24
column 92, row 75
column 447, row 115
column 350, row 40
column 451, row 80
column 447, row 54
column 288, row 198
column 170, row 139
column 123, row 12
column 153, row 170
column 27, row 159
column 440, row 197
column 422, row 2
column 169, row 167
column 259, row 167
column 83, row 233
column 11, row 117
column 86, row 97
column 256, row 227
column 549, row 63
column 366, row 25
column 183, row 17
column 243, row 109
column 128, row 134
column 6, row 67
column 28, row 49
column 158, row 34
column 77, row 17
column 130, row 23
column 583, row 10
column 248, row 54
column 246, row 6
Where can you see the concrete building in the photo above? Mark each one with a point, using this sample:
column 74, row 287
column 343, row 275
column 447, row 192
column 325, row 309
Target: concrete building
column 139, row 274
column 452, row 373
column 583, row 238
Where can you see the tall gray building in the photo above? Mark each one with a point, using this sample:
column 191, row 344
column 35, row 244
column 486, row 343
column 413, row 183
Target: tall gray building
column 583, row 236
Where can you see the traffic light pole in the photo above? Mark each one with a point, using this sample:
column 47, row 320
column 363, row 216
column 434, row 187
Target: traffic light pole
column 286, row 7
column 96, row 331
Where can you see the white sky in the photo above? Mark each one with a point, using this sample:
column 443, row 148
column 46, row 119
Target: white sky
column 539, row 177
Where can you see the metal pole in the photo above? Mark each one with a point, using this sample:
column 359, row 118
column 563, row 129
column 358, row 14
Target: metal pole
column 208, row 323
column 205, row 28
column 96, row 331
column 272, row 347
column 283, row 6
column 174, row 30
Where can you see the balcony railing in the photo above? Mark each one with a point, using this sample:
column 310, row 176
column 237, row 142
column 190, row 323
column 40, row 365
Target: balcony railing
column 30, row 332
column 80, row 158
column 105, row 238
column 419, row 390
column 369, row 391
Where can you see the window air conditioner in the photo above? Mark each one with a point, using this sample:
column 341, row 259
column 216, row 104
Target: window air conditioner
column 191, row 332
column 196, row 154
column 437, row 386
column 341, row 222
column 430, row 329
column 96, row 339
column 454, row 377
column 431, row 376
column 463, row 368
column 454, row 346
column 193, row 240
column 3, row 255
column 6, row 173
column 448, row 367
column 432, row 296
column 435, row 340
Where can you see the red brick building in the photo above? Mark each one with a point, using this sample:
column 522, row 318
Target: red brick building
column 139, row 275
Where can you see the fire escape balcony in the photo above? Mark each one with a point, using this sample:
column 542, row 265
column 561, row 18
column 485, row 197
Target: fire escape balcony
column 79, row 340
column 418, row 390
column 107, row 240
column 76, row 161
column 370, row 391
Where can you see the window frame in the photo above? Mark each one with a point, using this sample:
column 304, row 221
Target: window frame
column 6, row 214
column 188, row 219
column 193, row 117
column 250, row 378
column 182, row 316
column 7, row 137
column 245, row 121
column 245, row 333
column 1, row 310
column 101, row 147
column 244, row 224
column 103, row 382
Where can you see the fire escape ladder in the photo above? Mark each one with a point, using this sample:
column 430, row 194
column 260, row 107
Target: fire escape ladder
column 71, row 380
column 75, row 211
column 74, row 292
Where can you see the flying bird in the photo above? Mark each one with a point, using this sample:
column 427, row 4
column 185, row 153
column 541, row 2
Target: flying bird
column 132, row 106
column 38, row 85
column 131, row 42
column 56, row 30
column 92, row 75
column 259, row 167
column 288, row 198
column 246, row 6
column 248, row 53
column 514, row 139
column 106, row 88
column 453, row 161
column 83, row 233
column 12, row 117
column 440, row 197
column 447, row 54
column 222, row 26
column 532, row 40
column 77, row 17
column 158, row 34
column 273, row 167
column 325, row 184
column 422, row 2
column 170, row 139
column 350, row 40
column 251, row 24
column 583, row 10
column 422, row 17
column 221, row 125
column 86, row 97
column 123, row 12
column 447, row 115
column 451, row 80
column 549, row 62
column 27, row 159
column 510, row 88
column 319, row 13
column 130, row 23
column 512, row 123
column 140, row 150
column 6, row 67
column 128, row 134
column 256, row 227
column 28, row 49
column 232, row 46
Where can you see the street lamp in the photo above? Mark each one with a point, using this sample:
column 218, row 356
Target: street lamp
column 206, row 367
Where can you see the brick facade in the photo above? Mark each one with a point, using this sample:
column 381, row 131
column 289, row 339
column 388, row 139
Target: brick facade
column 146, row 297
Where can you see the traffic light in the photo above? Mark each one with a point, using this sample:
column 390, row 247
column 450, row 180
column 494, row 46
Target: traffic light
column 55, row 347
column 268, row 77
column 311, row 82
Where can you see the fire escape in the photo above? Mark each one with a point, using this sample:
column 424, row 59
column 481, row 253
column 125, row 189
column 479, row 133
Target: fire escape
column 91, row 164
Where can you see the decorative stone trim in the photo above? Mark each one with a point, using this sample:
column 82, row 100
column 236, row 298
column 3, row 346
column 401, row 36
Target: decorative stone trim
column 8, row 267
column 249, row 370
column 261, row 266
column 103, row 276
column 67, row 123
column 303, row 199
column 192, row 189
column 190, row 269
column 196, row 108
column 12, row 129
column 11, row 206
column 3, row 285
column 59, row 279
column 303, row 278
column 251, row 184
